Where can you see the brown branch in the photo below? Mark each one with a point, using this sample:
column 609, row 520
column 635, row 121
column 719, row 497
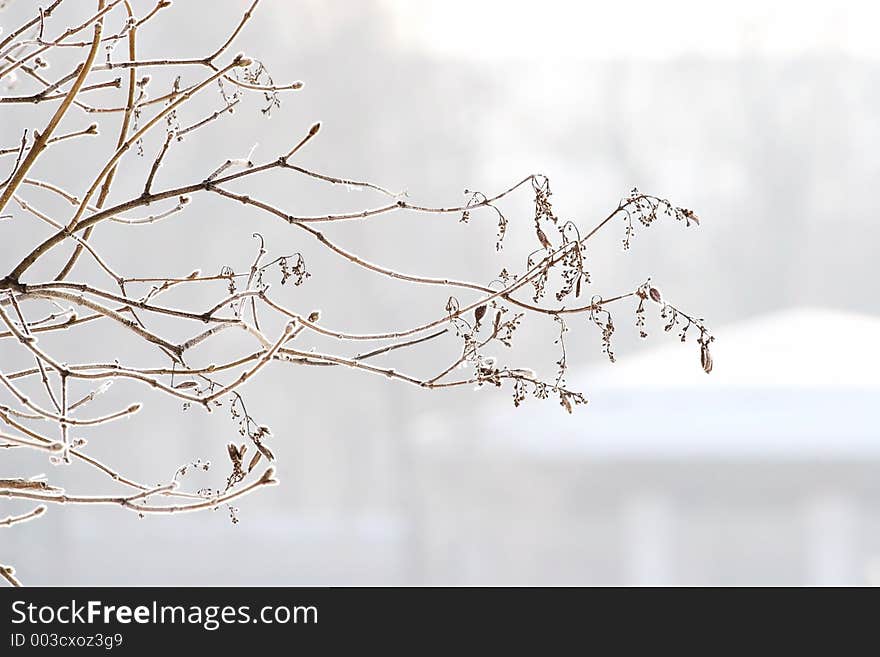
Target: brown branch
column 41, row 16
column 8, row 574
column 20, row 151
column 44, row 96
column 42, row 139
column 30, row 515
column 400, row 345
column 123, row 133
column 96, row 18
column 90, row 130
column 130, row 502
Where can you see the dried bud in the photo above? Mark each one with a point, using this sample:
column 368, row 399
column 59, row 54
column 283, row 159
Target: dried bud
column 314, row 316
column 655, row 295
column 269, row 477
column 479, row 313
column 242, row 60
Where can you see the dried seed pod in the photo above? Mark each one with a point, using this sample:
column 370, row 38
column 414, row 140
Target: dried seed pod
column 705, row 358
column 234, row 456
column 542, row 238
column 479, row 313
column 563, row 399
column 690, row 216
column 265, row 451
column 656, row 297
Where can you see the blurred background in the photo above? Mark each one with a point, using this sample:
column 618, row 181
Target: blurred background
column 762, row 117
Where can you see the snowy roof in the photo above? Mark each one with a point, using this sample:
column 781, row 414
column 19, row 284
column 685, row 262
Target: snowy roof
column 796, row 384
column 796, row 347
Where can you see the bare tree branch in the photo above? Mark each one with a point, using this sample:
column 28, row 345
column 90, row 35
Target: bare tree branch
column 48, row 406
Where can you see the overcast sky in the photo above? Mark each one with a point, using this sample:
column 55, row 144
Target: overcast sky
column 559, row 28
